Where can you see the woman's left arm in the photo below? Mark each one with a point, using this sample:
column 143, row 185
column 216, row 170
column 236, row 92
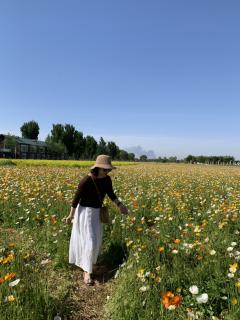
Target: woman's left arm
column 114, row 198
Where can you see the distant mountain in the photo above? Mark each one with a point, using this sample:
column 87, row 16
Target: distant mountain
column 139, row 151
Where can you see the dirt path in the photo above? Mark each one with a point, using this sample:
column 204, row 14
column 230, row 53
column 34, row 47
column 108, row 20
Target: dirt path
column 84, row 302
column 87, row 302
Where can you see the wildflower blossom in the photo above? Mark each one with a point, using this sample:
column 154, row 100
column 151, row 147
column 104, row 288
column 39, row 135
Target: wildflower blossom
column 14, row 283
column 234, row 301
column 144, row 288
column 9, row 276
column 171, row 301
column 212, row 252
column 10, row 298
column 230, row 275
column 203, row 298
column 233, row 267
column 194, row 289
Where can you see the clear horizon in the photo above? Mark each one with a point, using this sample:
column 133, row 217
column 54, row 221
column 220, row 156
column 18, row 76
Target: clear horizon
column 160, row 75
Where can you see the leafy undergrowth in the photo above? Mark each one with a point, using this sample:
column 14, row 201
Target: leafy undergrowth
column 6, row 162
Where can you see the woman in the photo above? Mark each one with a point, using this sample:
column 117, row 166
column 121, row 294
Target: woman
column 86, row 235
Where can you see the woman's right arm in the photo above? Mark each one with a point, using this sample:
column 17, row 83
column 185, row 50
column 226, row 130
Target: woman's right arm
column 69, row 218
column 79, row 192
column 76, row 199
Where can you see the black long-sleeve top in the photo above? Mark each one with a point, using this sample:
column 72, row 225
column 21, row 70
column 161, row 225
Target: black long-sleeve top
column 86, row 193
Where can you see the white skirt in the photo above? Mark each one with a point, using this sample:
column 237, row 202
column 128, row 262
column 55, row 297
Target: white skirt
column 86, row 238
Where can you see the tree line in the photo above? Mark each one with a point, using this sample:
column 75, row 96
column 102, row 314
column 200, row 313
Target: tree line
column 194, row 159
column 210, row 159
column 66, row 139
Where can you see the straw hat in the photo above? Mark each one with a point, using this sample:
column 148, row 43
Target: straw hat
column 103, row 161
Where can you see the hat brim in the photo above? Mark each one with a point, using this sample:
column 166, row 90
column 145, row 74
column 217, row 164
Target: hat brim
column 103, row 167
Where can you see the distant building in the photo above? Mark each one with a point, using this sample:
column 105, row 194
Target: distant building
column 21, row 148
column 5, row 152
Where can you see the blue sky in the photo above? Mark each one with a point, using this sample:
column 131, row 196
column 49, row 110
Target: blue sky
column 164, row 75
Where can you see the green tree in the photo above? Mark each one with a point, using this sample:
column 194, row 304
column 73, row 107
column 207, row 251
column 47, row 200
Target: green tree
column 55, row 147
column 68, row 138
column 201, row 159
column 10, row 141
column 2, row 137
column 143, row 158
column 123, row 155
column 229, row 159
column 30, row 130
column 190, row 158
column 102, row 147
column 131, row 156
column 79, row 145
column 172, row 159
column 57, row 132
column 112, row 150
column 90, row 148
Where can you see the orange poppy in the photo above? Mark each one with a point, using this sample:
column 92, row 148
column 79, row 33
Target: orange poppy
column 176, row 301
column 177, row 241
column 9, row 276
column 169, row 299
column 135, row 205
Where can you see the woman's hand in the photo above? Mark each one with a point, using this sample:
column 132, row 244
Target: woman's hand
column 68, row 220
column 123, row 209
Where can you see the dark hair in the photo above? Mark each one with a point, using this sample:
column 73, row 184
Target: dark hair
column 95, row 171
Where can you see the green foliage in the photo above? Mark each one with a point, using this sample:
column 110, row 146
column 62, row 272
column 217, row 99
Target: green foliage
column 143, row 158
column 6, row 162
column 113, row 150
column 68, row 138
column 102, row 147
column 10, row 141
column 57, row 132
column 54, row 146
column 210, row 159
column 79, row 145
column 63, row 136
column 30, row 130
column 90, row 147
column 123, row 155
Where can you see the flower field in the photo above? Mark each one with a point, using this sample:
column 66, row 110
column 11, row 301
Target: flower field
column 181, row 242
column 55, row 163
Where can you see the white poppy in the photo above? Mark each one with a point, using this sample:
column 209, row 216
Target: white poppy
column 203, row 298
column 144, row 288
column 46, row 261
column 194, row 290
column 14, row 283
column 230, row 275
column 212, row 252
